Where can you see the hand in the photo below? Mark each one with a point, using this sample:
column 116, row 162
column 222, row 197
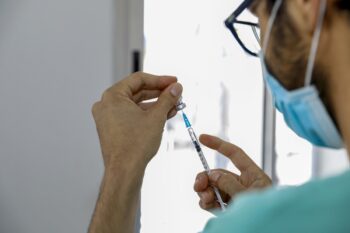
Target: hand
column 228, row 183
column 129, row 129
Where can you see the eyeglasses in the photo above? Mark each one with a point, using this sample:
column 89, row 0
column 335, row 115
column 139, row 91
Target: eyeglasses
column 244, row 29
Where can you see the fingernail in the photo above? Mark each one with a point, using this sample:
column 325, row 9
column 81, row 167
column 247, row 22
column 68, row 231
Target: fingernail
column 176, row 90
column 215, row 176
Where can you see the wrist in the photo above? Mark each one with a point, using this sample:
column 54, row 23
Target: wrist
column 123, row 184
column 127, row 160
column 128, row 173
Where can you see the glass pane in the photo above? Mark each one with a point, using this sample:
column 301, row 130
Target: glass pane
column 223, row 92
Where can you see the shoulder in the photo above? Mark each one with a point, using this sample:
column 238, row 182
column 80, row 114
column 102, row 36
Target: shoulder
column 318, row 206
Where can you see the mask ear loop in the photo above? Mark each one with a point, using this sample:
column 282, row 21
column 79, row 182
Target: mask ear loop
column 315, row 43
column 270, row 24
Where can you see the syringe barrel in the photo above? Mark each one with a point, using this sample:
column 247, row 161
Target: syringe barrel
column 204, row 162
column 198, row 149
column 192, row 134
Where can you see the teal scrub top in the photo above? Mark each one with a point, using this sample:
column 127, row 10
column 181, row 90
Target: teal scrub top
column 321, row 206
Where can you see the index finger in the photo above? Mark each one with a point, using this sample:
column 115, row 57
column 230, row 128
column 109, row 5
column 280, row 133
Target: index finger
column 142, row 81
column 240, row 159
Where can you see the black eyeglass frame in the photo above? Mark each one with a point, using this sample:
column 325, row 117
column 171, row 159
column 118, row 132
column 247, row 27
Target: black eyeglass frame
column 232, row 19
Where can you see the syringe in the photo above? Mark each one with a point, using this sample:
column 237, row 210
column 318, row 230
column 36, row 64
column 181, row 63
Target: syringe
column 196, row 144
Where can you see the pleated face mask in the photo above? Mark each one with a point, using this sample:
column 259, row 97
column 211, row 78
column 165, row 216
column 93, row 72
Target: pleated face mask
column 303, row 110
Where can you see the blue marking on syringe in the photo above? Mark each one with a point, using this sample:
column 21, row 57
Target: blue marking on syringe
column 192, row 134
column 187, row 122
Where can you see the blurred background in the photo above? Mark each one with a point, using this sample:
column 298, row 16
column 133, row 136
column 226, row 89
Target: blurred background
column 56, row 59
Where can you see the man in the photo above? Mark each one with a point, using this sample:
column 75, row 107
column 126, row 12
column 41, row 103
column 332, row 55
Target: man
column 307, row 54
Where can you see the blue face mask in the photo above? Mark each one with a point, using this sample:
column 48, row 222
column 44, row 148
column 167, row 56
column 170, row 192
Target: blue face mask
column 303, row 110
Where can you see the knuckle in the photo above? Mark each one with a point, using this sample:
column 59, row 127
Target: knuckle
column 143, row 96
column 224, row 183
column 107, row 95
column 200, row 194
column 138, row 77
column 202, row 205
column 167, row 98
column 236, row 151
column 232, row 147
column 240, row 151
column 206, row 206
column 211, row 195
column 95, row 108
column 137, row 74
column 208, row 196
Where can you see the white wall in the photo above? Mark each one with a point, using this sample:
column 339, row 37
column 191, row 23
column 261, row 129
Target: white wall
column 55, row 61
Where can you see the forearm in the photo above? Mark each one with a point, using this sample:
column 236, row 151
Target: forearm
column 117, row 205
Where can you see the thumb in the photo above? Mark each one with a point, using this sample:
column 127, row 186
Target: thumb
column 168, row 99
column 225, row 182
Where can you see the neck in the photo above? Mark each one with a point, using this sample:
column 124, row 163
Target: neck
column 339, row 84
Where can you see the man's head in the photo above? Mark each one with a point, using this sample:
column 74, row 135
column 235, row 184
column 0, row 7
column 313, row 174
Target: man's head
column 291, row 37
